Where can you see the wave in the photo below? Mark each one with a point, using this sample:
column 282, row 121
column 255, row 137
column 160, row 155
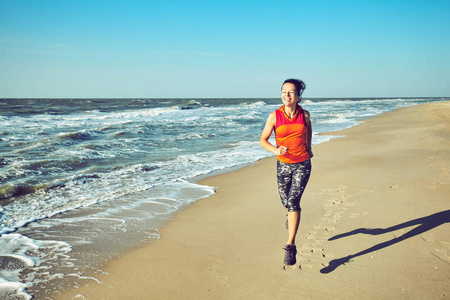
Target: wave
column 254, row 104
column 336, row 119
column 19, row 253
column 307, row 102
column 193, row 104
column 10, row 190
column 78, row 136
column 192, row 136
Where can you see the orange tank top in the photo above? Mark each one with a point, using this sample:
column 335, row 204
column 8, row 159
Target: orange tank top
column 291, row 133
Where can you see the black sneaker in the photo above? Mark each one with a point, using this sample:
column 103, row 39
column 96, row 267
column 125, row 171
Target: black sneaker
column 289, row 255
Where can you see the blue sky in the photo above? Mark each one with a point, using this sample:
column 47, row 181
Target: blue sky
column 214, row 49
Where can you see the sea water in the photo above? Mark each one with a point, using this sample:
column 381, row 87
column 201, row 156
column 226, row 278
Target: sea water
column 83, row 180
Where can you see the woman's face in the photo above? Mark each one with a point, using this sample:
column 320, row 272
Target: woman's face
column 289, row 95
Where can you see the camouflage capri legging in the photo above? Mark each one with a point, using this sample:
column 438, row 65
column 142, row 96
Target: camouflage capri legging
column 292, row 180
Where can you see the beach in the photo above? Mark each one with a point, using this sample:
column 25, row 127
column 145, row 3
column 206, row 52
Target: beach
column 375, row 225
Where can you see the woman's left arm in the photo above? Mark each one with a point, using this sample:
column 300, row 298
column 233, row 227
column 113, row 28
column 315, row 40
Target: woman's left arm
column 308, row 134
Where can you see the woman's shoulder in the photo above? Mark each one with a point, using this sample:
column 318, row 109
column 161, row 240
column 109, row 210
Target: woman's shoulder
column 306, row 113
column 307, row 116
column 273, row 115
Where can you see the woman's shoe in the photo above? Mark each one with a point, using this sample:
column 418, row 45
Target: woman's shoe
column 289, row 254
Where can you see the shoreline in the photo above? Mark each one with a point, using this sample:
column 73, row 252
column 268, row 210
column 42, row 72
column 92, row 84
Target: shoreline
column 229, row 244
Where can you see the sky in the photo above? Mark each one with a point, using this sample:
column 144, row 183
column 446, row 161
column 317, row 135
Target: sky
column 223, row 49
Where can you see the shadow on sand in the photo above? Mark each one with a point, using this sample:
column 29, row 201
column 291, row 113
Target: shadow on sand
column 425, row 224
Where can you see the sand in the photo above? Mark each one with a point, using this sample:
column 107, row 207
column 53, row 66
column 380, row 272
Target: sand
column 375, row 225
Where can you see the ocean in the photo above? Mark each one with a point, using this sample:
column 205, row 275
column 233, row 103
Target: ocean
column 84, row 180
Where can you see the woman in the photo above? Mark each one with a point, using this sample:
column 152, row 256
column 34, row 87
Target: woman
column 293, row 133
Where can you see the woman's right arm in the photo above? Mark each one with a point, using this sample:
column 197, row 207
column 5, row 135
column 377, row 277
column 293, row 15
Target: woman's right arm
column 267, row 131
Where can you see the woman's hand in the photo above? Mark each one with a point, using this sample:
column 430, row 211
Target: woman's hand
column 282, row 150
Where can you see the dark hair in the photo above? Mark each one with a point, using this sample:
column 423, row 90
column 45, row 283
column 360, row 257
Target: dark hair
column 300, row 86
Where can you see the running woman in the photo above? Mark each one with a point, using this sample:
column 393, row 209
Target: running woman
column 293, row 133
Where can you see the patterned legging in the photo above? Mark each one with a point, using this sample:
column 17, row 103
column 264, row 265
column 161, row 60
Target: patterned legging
column 292, row 180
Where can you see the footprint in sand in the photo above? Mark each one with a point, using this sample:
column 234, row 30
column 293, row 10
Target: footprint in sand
column 428, row 237
column 305, row 253
column 287, row 268
column 317, row 227
column 355, row 215
column 309, row 236
column 316, row 250
column 332, row 220
column 330, row 191
column 330, row 228
column 334, row 214
column 335, row 203
column 305, row 266
column 443, row 252
column 313, row 254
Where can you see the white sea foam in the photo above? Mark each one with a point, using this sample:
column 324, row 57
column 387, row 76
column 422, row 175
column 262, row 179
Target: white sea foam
column 13, row 291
